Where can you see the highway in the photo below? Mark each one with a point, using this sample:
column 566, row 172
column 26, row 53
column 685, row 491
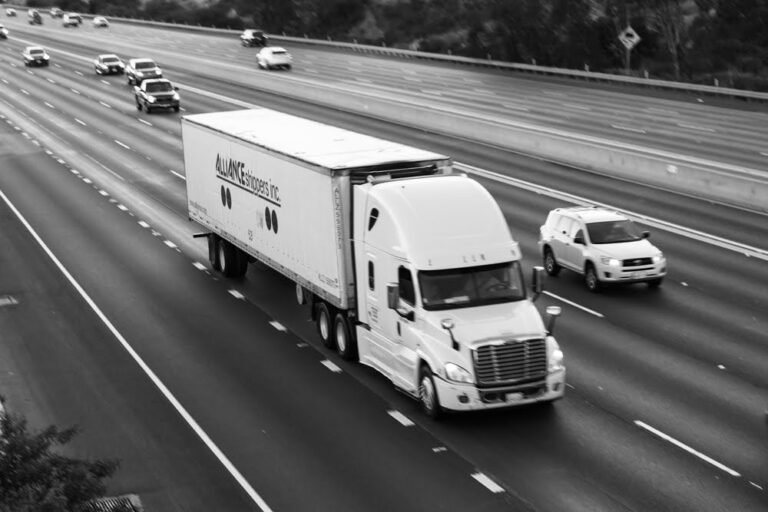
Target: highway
column 217, row 395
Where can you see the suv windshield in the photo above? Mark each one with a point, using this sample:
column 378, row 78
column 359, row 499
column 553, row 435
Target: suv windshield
column 160, row 87
column 613, row 232
column 473, row 286
column 36, row 52
column 145, row 65
column 109, row 60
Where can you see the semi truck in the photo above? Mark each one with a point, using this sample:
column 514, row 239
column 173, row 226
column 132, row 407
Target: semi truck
column 405, row 264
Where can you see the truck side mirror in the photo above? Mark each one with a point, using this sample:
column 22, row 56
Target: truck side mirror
column 537, row 280
column 393, row 294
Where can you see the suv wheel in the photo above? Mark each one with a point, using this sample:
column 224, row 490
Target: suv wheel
column 550, row 264
column 591, row 279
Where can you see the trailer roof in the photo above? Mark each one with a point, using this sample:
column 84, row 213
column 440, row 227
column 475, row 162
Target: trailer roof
column 316, row 143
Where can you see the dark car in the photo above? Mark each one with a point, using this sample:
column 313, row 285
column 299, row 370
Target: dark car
column 156, row 93
column 3, row 32
column 108, row 63
column 139, row 70
column 252, row 37
column 34, row 18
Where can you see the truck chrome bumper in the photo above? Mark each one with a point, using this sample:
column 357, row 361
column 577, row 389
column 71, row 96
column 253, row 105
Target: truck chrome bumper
column 464, row 397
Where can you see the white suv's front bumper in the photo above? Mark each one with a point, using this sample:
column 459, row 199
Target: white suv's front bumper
column 619, row 274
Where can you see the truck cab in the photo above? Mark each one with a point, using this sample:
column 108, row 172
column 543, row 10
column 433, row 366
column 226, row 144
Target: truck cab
column 443, row 309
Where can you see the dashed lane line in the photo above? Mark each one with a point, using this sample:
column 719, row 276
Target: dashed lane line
column 143, row 121
column 105, row 104
column 143, row 224
column 80, row 122
column 401, row 418
column 48, row 105
column 170, row 244
column 75, row 91
column 330, row 365
column 122, row 144
column 627, row 128
column 579, row 306
column 687, row 448
column 278, row 326
column 488, row 483
column 199, row 266
column 180, row 176
column 236, row 294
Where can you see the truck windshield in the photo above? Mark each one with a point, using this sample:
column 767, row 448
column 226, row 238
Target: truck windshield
column 472, row 286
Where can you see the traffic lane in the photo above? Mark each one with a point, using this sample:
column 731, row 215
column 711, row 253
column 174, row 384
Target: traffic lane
column 218, row 355
column 60, row 365
column 601, row 454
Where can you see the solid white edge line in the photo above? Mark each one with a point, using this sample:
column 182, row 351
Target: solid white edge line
column 330, row 365
column 401, row 418
column 488, row 483
column 277, row 325
column 590, row 311
column 687, row 448
column 147, row 370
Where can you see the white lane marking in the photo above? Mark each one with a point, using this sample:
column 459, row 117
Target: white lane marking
column 695, row 127
column 579, row 306
column 143, row 224
column 723, row 243
column 81, row 122
column 180, row 176
column 627, row 128
column 199, row 266
column 664, row 111
column 439, row 449
column 277, row 325
column 412, row 79
column 105, row 104
column 753, row 484
column 24, row 92
column 86, row 180
column 121, row 144
column 721, row 367
column 577, row 106
column 329, row 364
column 255, row 497
column 74, row 91
column 401, row 418
column 686, row 448
column 236, row 294
column 105, row 82
column 51, row 80
column 182, row 109
column 78, row 73
column 764, row 153
column 61, row 161
column 488, row 483
column 170, row 244
column 113, row 173
column 103, row 193
column 6, row 81
column 48, row 105
column 57, row 65
column 143, row 121
column 122, row 207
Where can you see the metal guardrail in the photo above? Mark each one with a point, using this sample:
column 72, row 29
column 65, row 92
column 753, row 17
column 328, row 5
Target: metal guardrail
column 469, row 61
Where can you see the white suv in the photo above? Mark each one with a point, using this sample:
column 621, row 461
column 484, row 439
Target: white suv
column 602, row 245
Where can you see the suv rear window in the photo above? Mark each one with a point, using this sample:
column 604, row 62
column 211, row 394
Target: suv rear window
column 613, row 232
column 145, row 65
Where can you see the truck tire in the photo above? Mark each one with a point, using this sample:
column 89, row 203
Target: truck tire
column 213, row 251
column 428, row 393
column 232, row 261
column 324, row 324
column 346, row 345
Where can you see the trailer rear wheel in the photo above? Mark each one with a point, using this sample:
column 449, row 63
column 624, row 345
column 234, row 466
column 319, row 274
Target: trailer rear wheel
column 213, row 251
column 345, row 340
column 324, row 324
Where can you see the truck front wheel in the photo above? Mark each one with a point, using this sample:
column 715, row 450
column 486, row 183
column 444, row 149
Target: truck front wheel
column 345, row 341
column 324, row 324
column 428, row 394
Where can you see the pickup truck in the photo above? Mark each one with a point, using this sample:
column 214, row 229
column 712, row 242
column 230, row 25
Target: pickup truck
column 156, row 93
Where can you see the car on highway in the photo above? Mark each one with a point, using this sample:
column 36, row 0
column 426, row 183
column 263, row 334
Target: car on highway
column 35, row 56
column 108, row 64
column 100, row 22
column 10, row 12
column 142, row 69
column 274, row 57
column 253, row 37
column 76, row 17
column 34, row 18
column 156, row 93
column 56, row 12
column 602, row 245
column 3, row 32
column 69, row 21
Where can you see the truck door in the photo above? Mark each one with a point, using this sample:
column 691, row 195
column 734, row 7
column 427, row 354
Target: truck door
column 406, row 333
column 375, row 343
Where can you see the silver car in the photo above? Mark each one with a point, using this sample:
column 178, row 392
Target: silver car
column 274, row 57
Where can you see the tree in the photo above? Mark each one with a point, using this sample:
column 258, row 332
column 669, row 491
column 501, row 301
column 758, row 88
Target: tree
column 35, row 478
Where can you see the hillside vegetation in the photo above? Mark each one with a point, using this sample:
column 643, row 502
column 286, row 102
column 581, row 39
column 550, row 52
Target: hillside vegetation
column 690, row 40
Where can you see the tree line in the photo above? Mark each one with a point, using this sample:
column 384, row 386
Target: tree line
column 703, row 41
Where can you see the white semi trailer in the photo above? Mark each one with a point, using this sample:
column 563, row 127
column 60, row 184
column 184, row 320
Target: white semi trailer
column 407, row 265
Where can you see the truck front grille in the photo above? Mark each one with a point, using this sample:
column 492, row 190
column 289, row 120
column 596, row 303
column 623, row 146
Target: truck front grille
column 512, row 362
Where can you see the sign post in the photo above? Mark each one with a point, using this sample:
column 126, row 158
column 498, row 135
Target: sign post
column 629, row 39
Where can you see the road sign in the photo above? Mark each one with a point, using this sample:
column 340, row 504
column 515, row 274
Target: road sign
column 629, row 38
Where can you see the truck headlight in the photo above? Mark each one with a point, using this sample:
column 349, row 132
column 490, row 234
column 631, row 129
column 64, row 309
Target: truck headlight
column 151, row 99
column 176, row 96
column 658, row 257
column 456, row 373
column 555, row 360
column 613, row 262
